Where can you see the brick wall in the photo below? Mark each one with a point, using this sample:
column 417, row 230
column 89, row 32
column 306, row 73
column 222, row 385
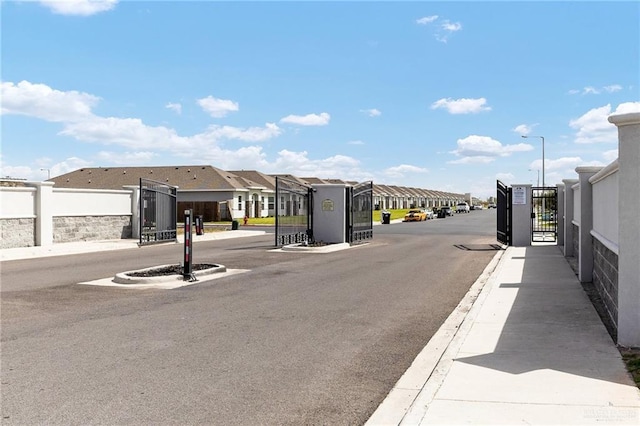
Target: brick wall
column 17, row 233
column 86, row 228
column 605, row 278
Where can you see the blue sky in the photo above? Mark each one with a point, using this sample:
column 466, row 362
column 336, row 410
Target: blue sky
column 424, row 94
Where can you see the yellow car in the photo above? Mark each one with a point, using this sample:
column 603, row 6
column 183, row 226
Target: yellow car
column 415, row 215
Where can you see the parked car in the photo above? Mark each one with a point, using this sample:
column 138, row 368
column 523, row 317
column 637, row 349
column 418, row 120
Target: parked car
column 415, row 215
column 492, row 206
column 447, row 210
column 462, row 208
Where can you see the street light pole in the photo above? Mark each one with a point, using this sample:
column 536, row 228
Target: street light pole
column 48, row 173
column 541, row 137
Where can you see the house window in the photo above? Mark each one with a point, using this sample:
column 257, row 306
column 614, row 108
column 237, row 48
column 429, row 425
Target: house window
column 239, row 202
column 271, row 203
column 282, row 203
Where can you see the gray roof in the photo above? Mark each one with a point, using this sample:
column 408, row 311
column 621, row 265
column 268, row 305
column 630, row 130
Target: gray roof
column 184, row 177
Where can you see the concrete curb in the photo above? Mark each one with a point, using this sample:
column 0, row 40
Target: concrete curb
column 124, row 278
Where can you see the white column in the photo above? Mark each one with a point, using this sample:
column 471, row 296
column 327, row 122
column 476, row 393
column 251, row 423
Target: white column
column 629, row 228
column 135, row 209
column 44, row 213
column 568, row 216
column 585, row 256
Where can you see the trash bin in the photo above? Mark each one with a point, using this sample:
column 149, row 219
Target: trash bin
column 385, row 217
column 199, row 225
column 234, row 225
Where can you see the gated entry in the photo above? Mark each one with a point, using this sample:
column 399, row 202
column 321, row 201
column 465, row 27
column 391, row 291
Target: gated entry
column 293, row 212
column 504, row 213
column 158, row 208
column 360, row 212
column 544, row 214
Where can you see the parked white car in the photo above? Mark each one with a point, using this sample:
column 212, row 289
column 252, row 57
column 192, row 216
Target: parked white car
column 462, row 208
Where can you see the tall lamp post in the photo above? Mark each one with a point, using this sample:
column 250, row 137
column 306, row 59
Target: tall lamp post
column 541, row 137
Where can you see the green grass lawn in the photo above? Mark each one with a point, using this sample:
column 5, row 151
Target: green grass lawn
column 265, row 221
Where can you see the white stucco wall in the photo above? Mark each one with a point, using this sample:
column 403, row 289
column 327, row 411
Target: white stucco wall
column 576, row 203
column 17, row 203
column 605, row 204
column 85, row 202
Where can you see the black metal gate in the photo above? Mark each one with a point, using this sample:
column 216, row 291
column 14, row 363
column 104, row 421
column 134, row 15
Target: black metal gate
column 544, row 214
column 293, row 212
column 359, row 212
column 158, row 212
column 504, row 213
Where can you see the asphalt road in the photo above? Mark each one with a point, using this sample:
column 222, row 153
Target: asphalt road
column 299, row 338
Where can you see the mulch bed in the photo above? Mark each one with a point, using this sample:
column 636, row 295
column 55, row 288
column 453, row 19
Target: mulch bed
column 171, row 270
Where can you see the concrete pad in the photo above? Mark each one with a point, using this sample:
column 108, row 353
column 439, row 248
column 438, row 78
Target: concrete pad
column 164, row 285
column 443, row 412
column 467, row 382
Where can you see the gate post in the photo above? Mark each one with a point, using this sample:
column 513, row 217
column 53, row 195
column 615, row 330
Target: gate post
column 585, row 244
column 521, row 215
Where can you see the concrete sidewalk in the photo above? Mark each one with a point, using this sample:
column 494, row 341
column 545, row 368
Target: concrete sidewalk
column 530, row 350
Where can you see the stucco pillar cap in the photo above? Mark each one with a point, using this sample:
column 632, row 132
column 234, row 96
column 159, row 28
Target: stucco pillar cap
column 588, row 169
column 625, row 119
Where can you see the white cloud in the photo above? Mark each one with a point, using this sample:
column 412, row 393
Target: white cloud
column 524, row 129
column 610, row 155
column 299, row 164
column 445, row 28
column 217, row 108
column 594, row 127
column 177, row 108
column 373, row 112
column 321, row 119
column 451, row 26
column 613, row 88
column 461, row 106
column 356, row 142
column 483, row 149
column 79, row 7
column 126, row 158
column 69, row 165
column 41, row 101
column 402, row 170
column 505, row 177
column 591, row 90
column 427, row 19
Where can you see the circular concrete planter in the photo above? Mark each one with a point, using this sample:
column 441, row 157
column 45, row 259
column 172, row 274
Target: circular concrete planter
column 126, row 278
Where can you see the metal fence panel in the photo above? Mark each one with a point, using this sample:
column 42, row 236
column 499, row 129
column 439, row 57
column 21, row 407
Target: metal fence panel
column 503, row 193
column 293, row 212
column 544, row 214
column 361, row 212
column 158, row 212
